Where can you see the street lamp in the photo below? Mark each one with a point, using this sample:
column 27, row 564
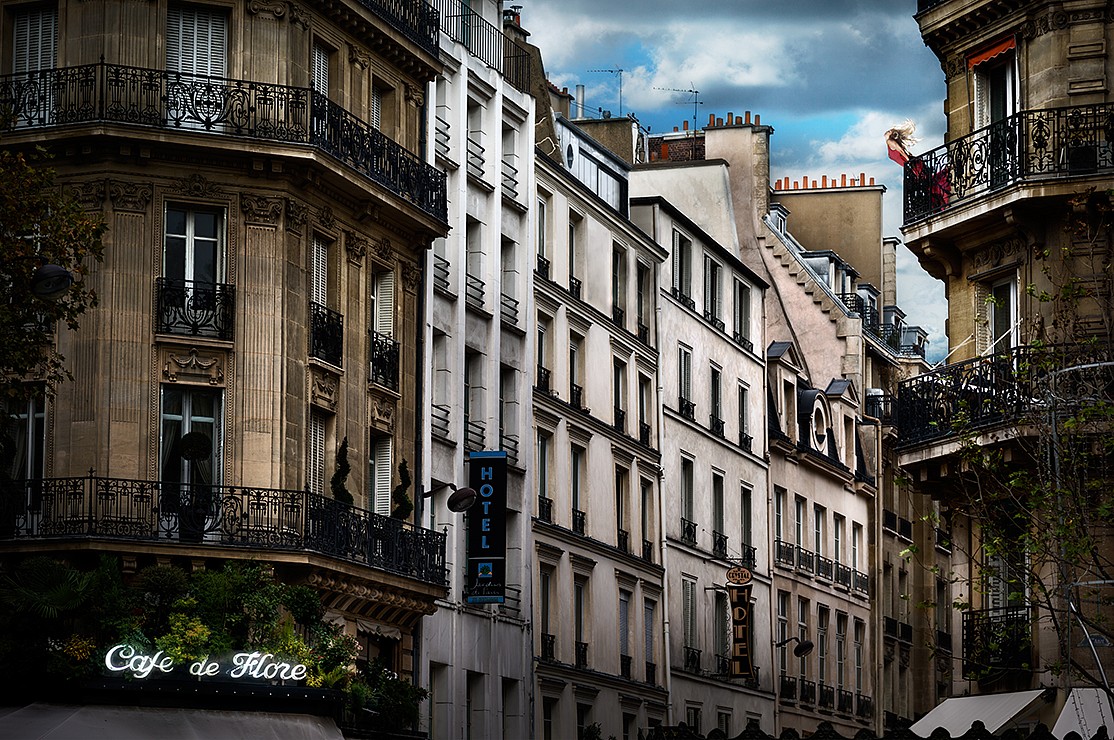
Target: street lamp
column 50, row 282
column 801, row 649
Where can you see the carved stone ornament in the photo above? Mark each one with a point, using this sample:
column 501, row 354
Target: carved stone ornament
column 364, row 592
column 356, row 247
column 994, row 254
column 276, row 9
column 197, row 186
column 411, row 277
column 360, row 57
column 89, row 194
column 130, row 196
column 888, row 651
column 298, row 16
column 193, row 366
column 1052, row 21
column 383, row 414
column 383, row 249
column 326, row 218
column 297, row 213
column 323, row 391
column 905, row 656
column 415, row 95
column 259, row 209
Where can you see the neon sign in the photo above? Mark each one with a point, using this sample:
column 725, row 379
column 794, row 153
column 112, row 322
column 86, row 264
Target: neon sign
column 245, row 666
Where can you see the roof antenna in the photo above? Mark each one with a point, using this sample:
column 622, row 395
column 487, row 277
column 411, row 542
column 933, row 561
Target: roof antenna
column 615, row 70
column 696, row 101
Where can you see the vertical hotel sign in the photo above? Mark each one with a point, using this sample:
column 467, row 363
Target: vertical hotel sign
column 487, row 529
column 738, row 590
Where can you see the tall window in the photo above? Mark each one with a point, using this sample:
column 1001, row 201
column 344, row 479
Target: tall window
column 624, row 622
column 838, row 527
column 618, row 278
column 819, row 517
column 687, row 498
column 688, row 609
column 622, row 509
column 648, row 609
column 841, row 648
column 744, row 426
column 321, row 63
column 742, row 311
column 576, row 343
column 712, row 288
column 799, row 522
column 193, row 245
column 780, row 495
column 684, row 391
column 718, row 519
column 618, row 387
column 382, row 303
column 380, row 461
column 802, row 634
column 716, row 395
column 319, row 271
column 782, row 630
column 647, row 509
column 35, row 40
column 196, row 412
column 723, row 625
column 645, row 291
column 575, row 222
column 856, row 540
column 860, row 637
column 822, row 643
column 746, row 531
column 580, row 610
column 1002, row 306
column 682, row 264
column 196, row 41
column 315, row 453
column 576, row 474
column 545, row 588
column 645, row 400
column 543, row 465
column 543, row 225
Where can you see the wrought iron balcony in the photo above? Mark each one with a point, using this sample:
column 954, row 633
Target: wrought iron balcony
column 542, row 382
column 996, row 640
column 1029, row 146
column 648, row 551
column 475, row 153
column 806, row 560
column 692, row 659
column 510, row 177
column 441, row 274
column 416, row 21
column 509, row 443
column 688, row 531
column 439, row 420
column 508, row 308
column 825, row 568
column 687, row 409
column 943, row 540
column 545, row 509
column 624, row 666
column 716, row 425
column 746, row 441
column 579, row 521
column 843, row 575
column 826, row 696
column 749, row 556
column 622, row 540
column 619, row 420
column 714, row 320
column 574, row 287
column 619, row 317
column 787, row 688
column 644, row 434
column 155, row 98
column 864, row 707
column 549, row 647
column 474, row 291
column 719, row 544
column 576, row 396
column 997, row 389
column 221, row 517
column 785, row 553
column 880, row 406
column 743, row 341
column 383, row 352
column 441, row 140
column 943, row 641
column 644, row 333
column 485, row 41
column 581, row 655
column 474, row 435
column 889, row 627
column 904, row 528
column 860, row 582
column 723, row 665
column 807, row 691
column 889, row 520
column 651, row 673
column 195, row 309
column 845, row 701
column 326, row 334
column 683, row 297
column 543, row 267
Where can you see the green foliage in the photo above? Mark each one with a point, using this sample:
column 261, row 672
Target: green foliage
column 304, row 604
column 339, row 482
column 39, row 224
column 45, row 588
column 187, row 640
column 393, row 702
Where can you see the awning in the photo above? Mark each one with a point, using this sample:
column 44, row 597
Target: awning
column 1085, row 712
column 993, row 710
column 72, row 722
column 988, row 53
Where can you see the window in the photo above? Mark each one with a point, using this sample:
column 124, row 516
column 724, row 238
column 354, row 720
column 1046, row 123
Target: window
column 580, row 610
column 841, row 648
column 190, row 456
column 26, row 429
column 647, row 511
column 545, row 588
column 682, row 264
column 35, row 40
column 543, row 226
column 624, row 622
column 645, row 291
column 744, row 426
column 645, row 401
column 782, row 630
column 196, row 41
column 193, row 245
column 819, row 518
column 319, row 271
column 799, row 522
column 723, row 722
column 315, row 454
column 576, row 343
column 549, row 709
column 382, row 303
column 1002, row 318
column 321, row 65
column 692, row 717
column 576, row 474
column 717, row 502
column 542, row 350
column 619, row 388
column 742, row 311
column 943, row 607
column 618, row 282
column 716, row 399
column 712, row 289
column 838, row 526
column 802, row 634
column 746, row 531
column 860, row 637
column 821, row 644
column 687, row 501
column 684, row 391
column 723, row 625
column 543, row 465
column 575, row 228
column 648, row 609
column 688, row 608
column 381, row 473
column 622, row 509
column 856, row 540
column 780, row 495
column 473, row 400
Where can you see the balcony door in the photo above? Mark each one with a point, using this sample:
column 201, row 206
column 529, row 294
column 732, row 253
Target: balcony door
column 190, row 460
column 1002, row 316
column 995, row 102
column 35, row 48
column 193, row 250
column 196, row 47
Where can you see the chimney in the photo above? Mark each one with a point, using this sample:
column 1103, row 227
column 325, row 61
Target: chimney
column 730, row 118
column 757, row 120
column 711, row 119
column 823, row 181
column 746, row 118
column 872, row 181
column 843, row 180
column 580, row 101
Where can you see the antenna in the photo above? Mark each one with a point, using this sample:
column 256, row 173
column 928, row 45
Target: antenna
column 696, row 101
column 615, row 70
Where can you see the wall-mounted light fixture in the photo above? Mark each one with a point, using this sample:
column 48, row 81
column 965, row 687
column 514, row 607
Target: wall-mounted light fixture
column 801, row 649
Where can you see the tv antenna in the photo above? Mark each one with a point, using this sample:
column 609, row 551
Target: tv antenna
column 615, row 69
column 696, row 101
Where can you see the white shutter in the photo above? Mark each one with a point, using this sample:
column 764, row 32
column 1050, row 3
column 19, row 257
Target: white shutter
column 376, row 107
column 315, row 473
column 319, row 288
column 648, row 628
column 685, row 371
column 35, row 43
column 385, row 303
column 676, row 263
column 196, row 42
column 320, row 71
column 689, row 612
column 624, row 614
column 381, row 472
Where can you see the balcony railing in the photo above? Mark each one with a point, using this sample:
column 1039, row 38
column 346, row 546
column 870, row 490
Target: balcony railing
column 1029, row 146
column 826, row 696
column 474, row 435
column 889, row 627
column 510, row 177
column 746, row 441
column 995, row 640
column 889, row 520
column 787, row 688
column 576, row 396
column 651, row 673
column 508, row 308
column 825, row 567
column 845, row 701
column 719, row 544
column 644, row 333
column 543, row 267
column 860, row 582
column 485, row 41
column 416, row 21
column 574, row 287
column 806, row 560
column 619, row 317
column 715, row 425
column 439, row 420
column 749, row 557
column 542, row 380
column 644, row 434
column 442, row 142
column 723, row 665
column 261, row 519
column 622, row 540
column 474, row 291
column 743, row 341
column 688, row 531
column 692, row 659
column 619, row 419
column 687, row 409
column 579, row 520
column 843, row 575
column 785, row 553
column 683, row 297
column 624, row 666
column 864, row 707
column 441, row 274
column 195, row 309
column 648, row 551
column 943, row 641
column 880, row 406
column 326, row 335
column 383, row 353
column 982, row 392
column 904, row 528
column 509, row 443
column 943, row 540
column 581, row 655
column 545, row 509
column 155, row 98
column 549, row 647
column 476, row 157
column 807, row 691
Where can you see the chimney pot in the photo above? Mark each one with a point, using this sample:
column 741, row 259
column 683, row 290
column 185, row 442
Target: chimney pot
column 843, row 180
column 674, row 129
column 872, row 181
column 824, row 181
column 796, row 185
column 685, row 124
column 757, row 120
column 719, row 121
column 730, row 119
column 862, row 178
column 747, row 118
column 711, row 119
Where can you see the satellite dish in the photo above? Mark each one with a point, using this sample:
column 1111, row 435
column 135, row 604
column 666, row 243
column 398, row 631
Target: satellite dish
column 461, row 499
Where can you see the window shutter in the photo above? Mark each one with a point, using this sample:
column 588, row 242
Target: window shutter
column 676, row 261
column 385, row 303
column 196, row 42
column 315, row 475
column 35, row 40
column 624, row 635
column 648, row 628
column 382, row 475
column 319, row 289
column 982, row 318
column 376, row 108
column 689, row 608
column 320, row 73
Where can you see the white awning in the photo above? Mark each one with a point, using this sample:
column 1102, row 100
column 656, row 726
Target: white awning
column 70, row 722
column 993, row 710
column 1085, row 712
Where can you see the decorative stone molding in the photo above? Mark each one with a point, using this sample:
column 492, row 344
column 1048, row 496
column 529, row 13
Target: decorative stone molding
column 415, row 96
column 1052, row 21
column 994, row 254
column 378, row 594
column 90, row 195
column 297, row 214
column 323, row 389
column 954, row 67
column 326, row 218
column 258, row 209
column 298, row 16
column 411, row 276
column 130, row 196
column 383, row 250
column 193, row 366
column 383, row 414
column 359, row 57
column 198, row 186
column 276, row 9
column 356, row 247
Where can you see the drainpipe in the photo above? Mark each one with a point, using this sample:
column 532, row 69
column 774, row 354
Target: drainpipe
column 419, row 473
column 659, row 415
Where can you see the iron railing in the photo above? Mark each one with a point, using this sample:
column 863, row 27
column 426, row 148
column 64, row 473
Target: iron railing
column 383, row 353
column 1028, row 146
column 326, row 335
column 743, row 341
column 880, row 406
column 843, row 575
column 943, row 540
column 825, row 567
column 441, row 274
column 543, row 267
column 416, row 20
column 542, row 381
column 749, row 556
column 474, row 291
column 826, row 696
column 996, row 640
column 474, row 435
column 687, row 409
column 574, row 287
column 154, row 98
column 622, row 540
column 860, row 582
column 688, row 531
column 651, row 673
column 692, row 659
column 579, row 521
column 648, row 551
column 845, row 701
column 943, row 641
column 218, row 516
column 684, row 298
column 195, row 309
column 581, row 655
column 864, row 706
column 549, row 647
column 889, row 627
column 716, row 425
column 644, row 434
column 746, row 441
column 619, row 317
column 719, row 544
column 619, row 419
column 485, row 41
column 477, row 157
column 807, row 691
column 509, row 443
column 806, row 559
column 439, row 420
column 644, row 333
column 787, row 688
column 508, row 308
column 723, row 665
column 441, row 139
column 785, row 553
column 576, row 396
column 545, row 509
column 510, row 177
column 624, row 666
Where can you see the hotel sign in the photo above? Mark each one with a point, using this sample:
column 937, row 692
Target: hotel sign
column 487, row 529
column 738, row 591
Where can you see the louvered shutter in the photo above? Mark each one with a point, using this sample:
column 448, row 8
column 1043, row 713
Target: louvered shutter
column 385, row 303
column 320, row 71
column 982, row 317
column 319, row 288
column 315, row 474
column 376, row 107
column 624, row 616
column 648, row 628
column 196, row 42
column 689, row 612
column 676, row 262
column 35, row 42
column 381, row 461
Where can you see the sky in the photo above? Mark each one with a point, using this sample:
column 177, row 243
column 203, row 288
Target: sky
column 830, row 77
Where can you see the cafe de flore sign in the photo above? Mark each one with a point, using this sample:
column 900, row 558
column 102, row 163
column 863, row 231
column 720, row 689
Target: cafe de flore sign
column 257, row 666
column 738, row 590
column 487, row 529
